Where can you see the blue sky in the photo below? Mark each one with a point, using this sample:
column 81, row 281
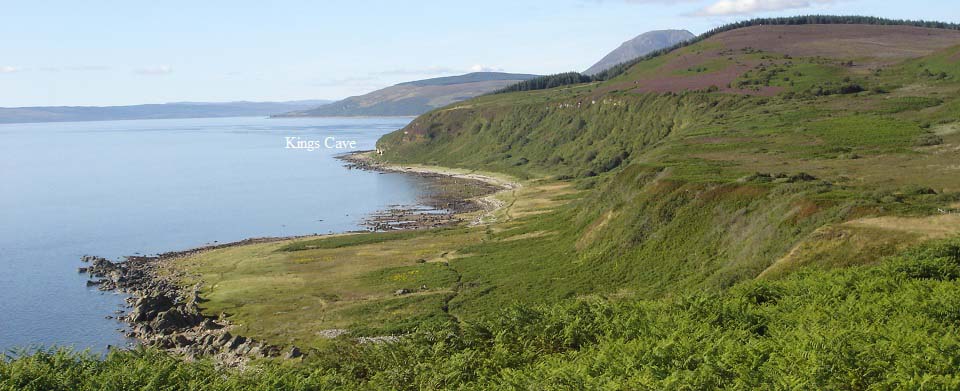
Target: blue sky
column 129, row 52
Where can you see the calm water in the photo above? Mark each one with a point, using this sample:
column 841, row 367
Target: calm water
column 124, row 187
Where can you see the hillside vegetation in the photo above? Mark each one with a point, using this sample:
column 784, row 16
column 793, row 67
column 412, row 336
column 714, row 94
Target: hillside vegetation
column 709, row 164
column 609, row 72
column 889, row 326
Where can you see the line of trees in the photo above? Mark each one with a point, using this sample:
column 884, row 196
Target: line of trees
column 562, row 79
column 548, row 81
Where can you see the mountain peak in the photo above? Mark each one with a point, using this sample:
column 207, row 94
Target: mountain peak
column 639, row 46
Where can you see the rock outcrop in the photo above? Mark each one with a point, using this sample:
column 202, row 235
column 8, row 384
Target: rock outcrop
column 164, row 315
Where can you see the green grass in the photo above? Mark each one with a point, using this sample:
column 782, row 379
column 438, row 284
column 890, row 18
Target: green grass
column 345, row 241
column 888, row 326
column 868, row 134
column 285, row 292
column 909, row 103
column 807, row 77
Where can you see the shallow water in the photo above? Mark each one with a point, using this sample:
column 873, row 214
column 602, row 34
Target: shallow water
column 117, row 188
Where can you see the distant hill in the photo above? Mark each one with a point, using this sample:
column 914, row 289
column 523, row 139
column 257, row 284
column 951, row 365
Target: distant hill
column 415, row 97
column 637, row 47
column 151, row 111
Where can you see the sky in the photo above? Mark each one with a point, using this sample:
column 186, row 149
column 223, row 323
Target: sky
column 97, row 53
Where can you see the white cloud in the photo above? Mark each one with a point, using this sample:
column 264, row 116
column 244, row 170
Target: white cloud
column 8, row 69
column 155, row 70
column 746, row 7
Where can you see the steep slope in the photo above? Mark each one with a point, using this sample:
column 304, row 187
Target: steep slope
column 151, row 111
column 416, row 97
column 639, row 46
column 796, row 66
column 706, row 165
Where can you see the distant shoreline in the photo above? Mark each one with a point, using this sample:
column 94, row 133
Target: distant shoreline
column 341, row 116
column 2, row 123
column 363, row 159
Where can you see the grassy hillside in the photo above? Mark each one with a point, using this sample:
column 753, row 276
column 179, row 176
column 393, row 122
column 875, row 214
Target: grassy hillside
column 742, row 84
column 752, row 153
column 888, row 326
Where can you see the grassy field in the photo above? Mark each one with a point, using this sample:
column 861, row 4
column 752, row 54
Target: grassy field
column 301, row 290
column 280, row 292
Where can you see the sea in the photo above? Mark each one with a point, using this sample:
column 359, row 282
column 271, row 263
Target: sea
column 118, row 188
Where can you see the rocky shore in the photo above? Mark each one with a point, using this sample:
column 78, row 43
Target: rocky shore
column 165, row 315
column 449, row 196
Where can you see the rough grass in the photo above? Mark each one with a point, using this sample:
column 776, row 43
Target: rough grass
column 932, row 227
column 287, row 292
column 862, row 241
column 888, row 326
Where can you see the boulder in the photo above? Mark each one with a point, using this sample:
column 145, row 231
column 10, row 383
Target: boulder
column 223, row 339
column 182, row 340
column 209, row 324
column 175, row 319
column 294, row 352
column 236, row 342
column 271, row 351
column 148, row 307
column 166, row 343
